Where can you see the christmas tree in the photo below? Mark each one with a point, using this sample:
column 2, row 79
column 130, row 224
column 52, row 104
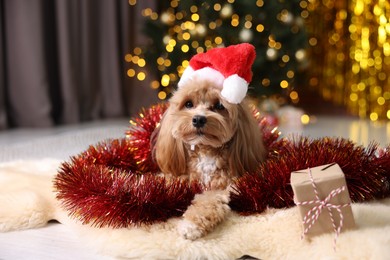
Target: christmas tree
column 180, row 29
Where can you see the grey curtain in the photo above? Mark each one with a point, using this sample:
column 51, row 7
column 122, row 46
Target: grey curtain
column 62, row 61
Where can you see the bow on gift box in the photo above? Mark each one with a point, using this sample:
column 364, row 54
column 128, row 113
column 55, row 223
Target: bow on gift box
column 313, row 214
column 319, row 190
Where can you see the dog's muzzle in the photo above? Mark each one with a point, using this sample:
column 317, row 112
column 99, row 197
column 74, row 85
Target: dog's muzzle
column 199, row 121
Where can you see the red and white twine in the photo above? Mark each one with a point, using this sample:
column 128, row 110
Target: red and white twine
column 313, row 214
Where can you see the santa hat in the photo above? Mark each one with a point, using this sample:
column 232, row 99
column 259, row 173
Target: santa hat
column 229, row 68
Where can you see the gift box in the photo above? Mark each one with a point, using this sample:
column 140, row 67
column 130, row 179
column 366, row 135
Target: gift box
column 323, row 200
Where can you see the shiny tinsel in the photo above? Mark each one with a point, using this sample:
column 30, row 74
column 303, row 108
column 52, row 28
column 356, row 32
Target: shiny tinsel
column 104, row 196
column 367, row 175
column 140, row 136
column 116, row 183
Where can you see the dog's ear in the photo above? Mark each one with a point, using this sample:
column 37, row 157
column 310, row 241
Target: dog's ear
column 168, row 152
column 247, row 148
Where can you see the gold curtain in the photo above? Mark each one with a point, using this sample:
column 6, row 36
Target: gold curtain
column 350, row 52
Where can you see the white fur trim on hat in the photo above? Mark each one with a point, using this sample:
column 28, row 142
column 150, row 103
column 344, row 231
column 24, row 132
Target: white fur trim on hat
column 185, row 76
column 234, row 89
column 205, row 73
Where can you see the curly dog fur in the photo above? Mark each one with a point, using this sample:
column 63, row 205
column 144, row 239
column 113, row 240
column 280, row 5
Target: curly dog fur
column 203, row 137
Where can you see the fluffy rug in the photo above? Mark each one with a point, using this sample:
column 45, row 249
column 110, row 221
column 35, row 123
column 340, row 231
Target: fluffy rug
column 27, row 201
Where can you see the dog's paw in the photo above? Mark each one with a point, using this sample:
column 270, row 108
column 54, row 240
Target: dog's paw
column 189, row 230
column 224, row 198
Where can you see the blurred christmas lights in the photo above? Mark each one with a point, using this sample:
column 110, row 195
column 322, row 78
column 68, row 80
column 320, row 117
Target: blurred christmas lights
column 351, row 36
column 354, row 39
column 188, row 29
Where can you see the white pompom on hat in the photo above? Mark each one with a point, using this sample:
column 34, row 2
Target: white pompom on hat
column 229, row 68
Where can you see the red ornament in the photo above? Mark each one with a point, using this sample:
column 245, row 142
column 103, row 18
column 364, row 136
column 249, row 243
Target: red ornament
column 116, row 183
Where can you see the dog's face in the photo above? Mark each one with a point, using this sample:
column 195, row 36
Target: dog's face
column 200, row 116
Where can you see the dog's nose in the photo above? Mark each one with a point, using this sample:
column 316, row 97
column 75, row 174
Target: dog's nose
column 199, row 121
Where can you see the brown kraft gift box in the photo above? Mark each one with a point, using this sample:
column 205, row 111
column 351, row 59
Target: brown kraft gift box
column 327, row 178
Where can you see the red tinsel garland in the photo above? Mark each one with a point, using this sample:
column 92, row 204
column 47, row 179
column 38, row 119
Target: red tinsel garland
column 367, row 175
column 116, row 183
column 140, row 136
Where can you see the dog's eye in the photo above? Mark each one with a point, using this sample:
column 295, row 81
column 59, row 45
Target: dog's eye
column 189, row 104
column 219, row 106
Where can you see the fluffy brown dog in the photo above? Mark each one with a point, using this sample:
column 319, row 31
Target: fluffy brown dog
column 204, row 137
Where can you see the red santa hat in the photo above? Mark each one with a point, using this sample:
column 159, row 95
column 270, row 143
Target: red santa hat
column 229, row 68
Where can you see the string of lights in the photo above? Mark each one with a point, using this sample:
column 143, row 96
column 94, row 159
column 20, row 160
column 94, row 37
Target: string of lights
column 181, row 29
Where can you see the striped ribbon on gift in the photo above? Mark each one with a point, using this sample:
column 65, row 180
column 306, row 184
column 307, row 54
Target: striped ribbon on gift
column 313, row 214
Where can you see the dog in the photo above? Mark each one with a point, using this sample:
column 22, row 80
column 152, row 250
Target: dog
column 204, row 137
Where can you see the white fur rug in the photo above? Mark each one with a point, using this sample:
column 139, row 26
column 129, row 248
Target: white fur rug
column 27, row 201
